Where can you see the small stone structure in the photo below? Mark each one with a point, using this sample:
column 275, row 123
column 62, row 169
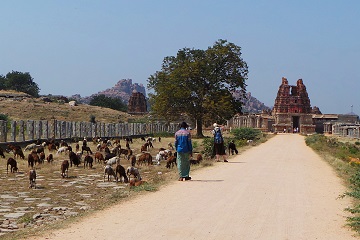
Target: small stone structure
column 137, row 103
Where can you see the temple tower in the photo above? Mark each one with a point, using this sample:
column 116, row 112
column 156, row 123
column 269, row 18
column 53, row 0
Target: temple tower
column 292, row 109
column 137, row 103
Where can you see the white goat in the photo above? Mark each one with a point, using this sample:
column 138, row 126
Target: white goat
column 112, row 161
column 30, row 146
column 62, row 150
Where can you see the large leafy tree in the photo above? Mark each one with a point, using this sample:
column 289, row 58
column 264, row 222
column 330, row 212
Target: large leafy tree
column 18, row 81
column 108, row 102
column 198, row 84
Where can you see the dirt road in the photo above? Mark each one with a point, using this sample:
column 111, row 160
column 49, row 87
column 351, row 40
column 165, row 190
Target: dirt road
column 278, row 190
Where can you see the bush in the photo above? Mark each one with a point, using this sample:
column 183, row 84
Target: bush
column 246, row 133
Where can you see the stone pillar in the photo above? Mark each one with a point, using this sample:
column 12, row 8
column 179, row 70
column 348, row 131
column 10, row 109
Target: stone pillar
column 21, row 126
column 30, row 129
column 3, row 131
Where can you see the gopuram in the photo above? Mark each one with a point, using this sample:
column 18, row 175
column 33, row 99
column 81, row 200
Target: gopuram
column 137, row 103
column 292, row 111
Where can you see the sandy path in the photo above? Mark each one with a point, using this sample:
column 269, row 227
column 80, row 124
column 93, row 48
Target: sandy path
column 278, row 190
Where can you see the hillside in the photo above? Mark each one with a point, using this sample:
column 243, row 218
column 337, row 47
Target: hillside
column 19, row 106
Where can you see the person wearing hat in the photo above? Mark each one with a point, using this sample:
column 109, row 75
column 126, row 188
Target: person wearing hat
column 219, row 148
column 184, row 150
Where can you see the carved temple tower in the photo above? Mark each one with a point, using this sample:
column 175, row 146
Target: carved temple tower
column 137, row 103
column 292, row 109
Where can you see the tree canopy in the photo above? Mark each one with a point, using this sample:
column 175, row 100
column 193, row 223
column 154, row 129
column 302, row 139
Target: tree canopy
column 108, row 102
column 198, row 84
column 21, row 82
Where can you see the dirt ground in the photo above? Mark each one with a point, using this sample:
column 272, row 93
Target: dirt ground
column 278, row 190
column 58, row 199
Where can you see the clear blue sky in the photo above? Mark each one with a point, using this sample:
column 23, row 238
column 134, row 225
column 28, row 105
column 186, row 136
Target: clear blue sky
column 85, row 46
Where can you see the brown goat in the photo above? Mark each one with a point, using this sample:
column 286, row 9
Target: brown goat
column 32, row 178
column 144, row 158
column 50, row 158
column 88, row 160
column 170, row 162
column 13, row 165
column 99, row 157
column 65, row 168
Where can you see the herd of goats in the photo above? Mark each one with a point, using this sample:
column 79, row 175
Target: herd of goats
column 107, row 152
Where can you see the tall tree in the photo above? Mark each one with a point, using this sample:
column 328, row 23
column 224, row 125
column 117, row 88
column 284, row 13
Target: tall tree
column 198, row 84
column 22, row 82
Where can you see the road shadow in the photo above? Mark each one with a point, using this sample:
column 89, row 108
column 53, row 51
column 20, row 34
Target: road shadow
column 199, row 180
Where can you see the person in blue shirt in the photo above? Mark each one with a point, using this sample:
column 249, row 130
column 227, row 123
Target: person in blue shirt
column 184, row 150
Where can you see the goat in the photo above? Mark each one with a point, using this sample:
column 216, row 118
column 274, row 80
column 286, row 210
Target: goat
column 42, row 157
column 32, row 178
column 77, row 147
column 170, row 162
column 109, row 155
column 74, row 158
column 121, row 171
column 144, row 158
column 143, row 148
column 2, row 153
column 87, row 149
column 30, row 147
column 65, row 168
column 35, row 157
column 51, row 147
column 126, row 152
column 40, row 150
column 99, row 157
column 136, row 183
column 50, row 158
column 112, row 161
column 133, row 171
column 197, row 160
column 109, row 171
column 31, row 160
column 88, row 160
column 232, row 148
column 133, row 160
column 18, row 152
column 62, row 149
column 13, row 165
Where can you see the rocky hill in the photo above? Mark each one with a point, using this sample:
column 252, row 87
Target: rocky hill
column 122, row 89
column 251, row 104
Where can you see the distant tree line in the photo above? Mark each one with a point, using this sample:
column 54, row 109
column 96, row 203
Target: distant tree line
column 21, row 82
column 108, row 102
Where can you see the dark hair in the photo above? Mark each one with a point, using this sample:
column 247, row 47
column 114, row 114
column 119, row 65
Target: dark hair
column 183, row 125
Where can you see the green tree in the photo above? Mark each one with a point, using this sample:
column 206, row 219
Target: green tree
column 2, row 82
column 22, row 82
column 108, row 102
column 198, row 84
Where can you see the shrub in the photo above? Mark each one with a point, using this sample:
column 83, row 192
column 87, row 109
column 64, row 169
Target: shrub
column 246, row 133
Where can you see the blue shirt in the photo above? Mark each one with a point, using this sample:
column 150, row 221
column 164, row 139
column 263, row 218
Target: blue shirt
column 183, row 141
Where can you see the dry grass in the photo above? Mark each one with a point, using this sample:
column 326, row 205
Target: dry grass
column 25, row 108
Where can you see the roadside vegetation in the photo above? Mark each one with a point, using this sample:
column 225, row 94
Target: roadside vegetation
column 344, row 156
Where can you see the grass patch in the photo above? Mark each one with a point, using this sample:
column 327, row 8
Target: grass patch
column 338, row 153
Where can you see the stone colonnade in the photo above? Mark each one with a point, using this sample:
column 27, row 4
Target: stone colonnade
column 20, row 131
